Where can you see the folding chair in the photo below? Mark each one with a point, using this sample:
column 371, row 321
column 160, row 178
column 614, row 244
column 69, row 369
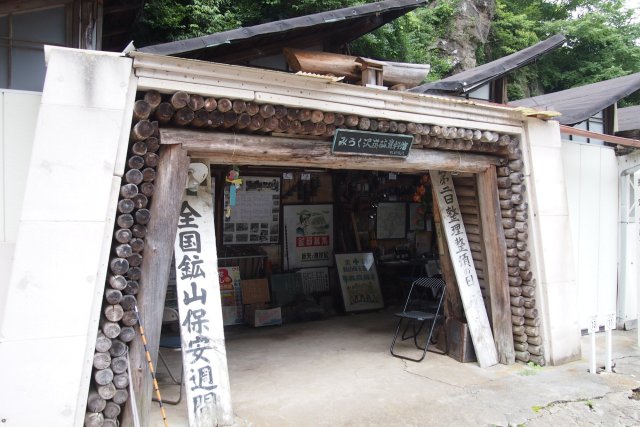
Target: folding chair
column 170, row 315
column 421, row 308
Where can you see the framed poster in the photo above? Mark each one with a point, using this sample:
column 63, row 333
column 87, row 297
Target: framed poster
column 391, row 220
column 359, row 281
column 308, row 231
column 255, row 218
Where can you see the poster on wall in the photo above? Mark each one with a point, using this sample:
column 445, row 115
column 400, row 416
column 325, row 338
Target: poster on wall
column 231, row 295
column 308, row 231
column 255, row 217
column 359, row 281
column 390, row 221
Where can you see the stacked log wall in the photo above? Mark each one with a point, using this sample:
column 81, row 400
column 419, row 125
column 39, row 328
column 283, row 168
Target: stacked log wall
column 110, row 380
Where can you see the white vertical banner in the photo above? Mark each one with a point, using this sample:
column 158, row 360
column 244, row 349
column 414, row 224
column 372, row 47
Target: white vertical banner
column 204, row 355
column 464, row 269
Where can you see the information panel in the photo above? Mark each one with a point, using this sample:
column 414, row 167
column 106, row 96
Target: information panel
column 359, row 281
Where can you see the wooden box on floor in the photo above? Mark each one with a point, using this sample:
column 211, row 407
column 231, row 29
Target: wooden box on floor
column 455, row 339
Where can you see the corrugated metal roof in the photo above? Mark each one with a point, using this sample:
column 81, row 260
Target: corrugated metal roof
column 340, row 26
column 579, row 103
column 470, row 80
column 629, row 118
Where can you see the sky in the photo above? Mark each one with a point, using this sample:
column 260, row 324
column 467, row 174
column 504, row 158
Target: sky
column 634, row 4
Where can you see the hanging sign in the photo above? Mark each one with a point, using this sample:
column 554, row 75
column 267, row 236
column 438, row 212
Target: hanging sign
column 371, row 143
column 199, row 303
column 464, row 269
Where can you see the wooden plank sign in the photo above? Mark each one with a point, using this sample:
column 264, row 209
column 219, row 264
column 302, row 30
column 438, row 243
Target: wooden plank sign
column 371, row 143
column 203, row 348
column 464, row 268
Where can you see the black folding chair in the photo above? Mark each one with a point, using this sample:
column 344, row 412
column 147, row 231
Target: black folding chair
column 421, row 309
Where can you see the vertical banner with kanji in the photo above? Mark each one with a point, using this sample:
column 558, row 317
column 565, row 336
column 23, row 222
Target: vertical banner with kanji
column 204, row 354
column 464, row 268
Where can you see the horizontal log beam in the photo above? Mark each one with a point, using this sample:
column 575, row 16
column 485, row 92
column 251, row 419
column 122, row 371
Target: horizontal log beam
column 229, row 148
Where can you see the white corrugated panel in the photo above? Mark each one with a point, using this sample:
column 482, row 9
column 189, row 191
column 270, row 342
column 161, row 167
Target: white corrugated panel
column 592, row 191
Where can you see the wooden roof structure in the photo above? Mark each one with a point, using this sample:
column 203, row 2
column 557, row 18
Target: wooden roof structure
column 335, row 27
column 629, row 118
column 469, row 80
column 579, row 103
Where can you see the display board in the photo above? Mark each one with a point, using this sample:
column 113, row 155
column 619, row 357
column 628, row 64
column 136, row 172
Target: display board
column 359, row 281
column 255, row 218
column 308, row 233
column 391, row 221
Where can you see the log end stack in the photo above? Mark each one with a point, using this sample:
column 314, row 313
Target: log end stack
column 110, row 379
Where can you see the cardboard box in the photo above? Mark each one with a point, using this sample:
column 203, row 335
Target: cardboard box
column 259, row 315
column 255, row 291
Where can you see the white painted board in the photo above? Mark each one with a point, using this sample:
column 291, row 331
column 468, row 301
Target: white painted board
column 591, row 177
column 201, row 327
column 464, row 269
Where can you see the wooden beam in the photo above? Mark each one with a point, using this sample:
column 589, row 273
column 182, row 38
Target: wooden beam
column 626, row 142
column 156, row 265
column 229, row 148
column 463, row 266
column 497, row 279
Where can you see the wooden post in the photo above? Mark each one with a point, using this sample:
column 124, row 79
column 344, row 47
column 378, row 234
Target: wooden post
column 160, row 237
column 496, row 278
column 464, row 268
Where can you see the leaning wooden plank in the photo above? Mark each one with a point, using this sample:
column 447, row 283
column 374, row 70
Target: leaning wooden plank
column 498, row 279
column 464, row 269
column 203, row 348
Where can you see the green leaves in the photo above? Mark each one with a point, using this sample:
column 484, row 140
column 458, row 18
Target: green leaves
column 602, row 42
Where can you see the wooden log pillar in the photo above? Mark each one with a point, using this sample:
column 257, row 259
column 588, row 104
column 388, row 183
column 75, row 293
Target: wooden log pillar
column 161, row 234
column 496, row 276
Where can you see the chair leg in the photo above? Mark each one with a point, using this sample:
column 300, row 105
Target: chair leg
column 175, row 381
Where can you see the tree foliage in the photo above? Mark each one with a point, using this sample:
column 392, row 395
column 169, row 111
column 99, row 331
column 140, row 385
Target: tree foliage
column 602, row 42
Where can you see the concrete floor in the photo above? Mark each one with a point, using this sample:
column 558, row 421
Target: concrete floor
column 338, row 372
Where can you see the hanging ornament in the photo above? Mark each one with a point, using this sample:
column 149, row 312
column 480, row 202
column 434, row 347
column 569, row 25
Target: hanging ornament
column 233, row 178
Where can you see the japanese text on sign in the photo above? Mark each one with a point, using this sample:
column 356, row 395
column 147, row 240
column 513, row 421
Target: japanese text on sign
column 371, row 143
column 192, row 274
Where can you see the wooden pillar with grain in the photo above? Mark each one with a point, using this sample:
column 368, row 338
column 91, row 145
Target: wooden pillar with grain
column 160, row 238
column 496, row 276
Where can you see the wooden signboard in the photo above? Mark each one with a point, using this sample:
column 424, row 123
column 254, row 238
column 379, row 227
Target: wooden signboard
column 464, row 269
column 359, row 281
column 203, row 348
column 371, row 143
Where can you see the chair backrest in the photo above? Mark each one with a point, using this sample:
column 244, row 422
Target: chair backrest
column 434, row 285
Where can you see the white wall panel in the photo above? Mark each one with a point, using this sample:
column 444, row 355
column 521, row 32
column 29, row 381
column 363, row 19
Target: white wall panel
column 18, row 127
column 592, row 193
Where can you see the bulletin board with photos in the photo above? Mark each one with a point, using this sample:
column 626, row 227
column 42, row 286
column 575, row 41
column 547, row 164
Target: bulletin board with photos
column 255, row 217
